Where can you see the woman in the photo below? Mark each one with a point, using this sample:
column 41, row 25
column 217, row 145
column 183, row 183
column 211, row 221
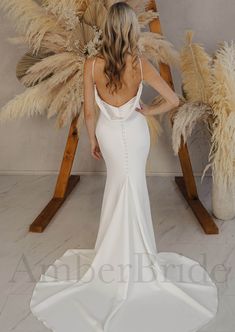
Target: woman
column 124, row 284
column 119, row 43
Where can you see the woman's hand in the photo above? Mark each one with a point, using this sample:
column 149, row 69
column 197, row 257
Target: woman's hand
column 95, row 149
column 145, row 109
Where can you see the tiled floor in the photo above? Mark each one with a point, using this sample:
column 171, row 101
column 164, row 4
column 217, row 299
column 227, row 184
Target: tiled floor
column 24, row 255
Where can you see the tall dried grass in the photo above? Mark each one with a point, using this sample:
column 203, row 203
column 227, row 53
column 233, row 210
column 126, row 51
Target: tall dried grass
column 195, row 65
column 222, row 156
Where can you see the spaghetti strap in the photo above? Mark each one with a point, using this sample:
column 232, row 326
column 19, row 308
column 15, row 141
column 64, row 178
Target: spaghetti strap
column 141, row 69
column 93, row 65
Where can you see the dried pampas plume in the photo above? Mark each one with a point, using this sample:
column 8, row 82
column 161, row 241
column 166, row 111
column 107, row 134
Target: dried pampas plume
column 208, row 86
column 18, row 107
column 158, row 49
column 29, row 19
column 185, row 119
column 195, row 66
column 222, row 156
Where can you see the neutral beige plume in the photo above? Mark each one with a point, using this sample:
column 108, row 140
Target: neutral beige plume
column 62, row 65
column 30, row 19
column 222, row 154
column 195, row 65
column 158, row 49
column 27, row 104
column 185, row 119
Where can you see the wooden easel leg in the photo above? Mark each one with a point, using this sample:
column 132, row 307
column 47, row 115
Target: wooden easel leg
column 65, row 182
column 187, row 186
column 186, row 183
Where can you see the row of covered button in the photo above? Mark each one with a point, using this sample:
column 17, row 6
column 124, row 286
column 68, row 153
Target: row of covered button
column 125, row 145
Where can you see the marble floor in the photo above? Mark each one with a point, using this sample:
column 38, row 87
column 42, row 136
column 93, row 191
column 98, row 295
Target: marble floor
column 22, row 254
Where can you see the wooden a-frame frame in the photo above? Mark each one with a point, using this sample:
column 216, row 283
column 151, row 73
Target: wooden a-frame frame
column 66, row 182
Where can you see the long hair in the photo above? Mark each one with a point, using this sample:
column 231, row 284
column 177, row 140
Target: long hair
column 121, row 32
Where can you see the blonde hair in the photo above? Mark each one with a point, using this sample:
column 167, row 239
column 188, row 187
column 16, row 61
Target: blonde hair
column 121, row 32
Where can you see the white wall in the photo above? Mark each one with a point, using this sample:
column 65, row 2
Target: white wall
column 36, row 146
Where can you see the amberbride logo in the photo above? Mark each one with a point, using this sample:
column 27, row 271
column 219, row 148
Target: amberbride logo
column 144, row 268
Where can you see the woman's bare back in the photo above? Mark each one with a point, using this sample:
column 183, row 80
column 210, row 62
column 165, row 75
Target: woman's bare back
column 129, row 89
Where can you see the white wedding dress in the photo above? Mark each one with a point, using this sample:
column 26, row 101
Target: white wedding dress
column 124, row 284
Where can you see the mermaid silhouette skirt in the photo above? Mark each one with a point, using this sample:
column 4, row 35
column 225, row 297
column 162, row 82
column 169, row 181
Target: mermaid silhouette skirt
column 124, row 284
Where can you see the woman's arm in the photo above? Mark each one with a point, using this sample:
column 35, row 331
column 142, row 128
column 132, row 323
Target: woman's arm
column 89, row 108
column 154, row 79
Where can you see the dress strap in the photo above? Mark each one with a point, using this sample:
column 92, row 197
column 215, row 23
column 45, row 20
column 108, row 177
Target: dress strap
column 93, row 65
column 141, row 69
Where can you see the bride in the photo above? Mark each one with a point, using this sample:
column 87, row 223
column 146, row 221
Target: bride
column 123, row 284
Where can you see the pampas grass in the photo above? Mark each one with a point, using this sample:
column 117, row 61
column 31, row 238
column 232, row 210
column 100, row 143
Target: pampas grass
column 158, row 49
column 185, row 119
column 67, row 94
column 55, row 42
column 29, row 19
column 221, row 156
column 90, row 16
column 27, row 104
column 63, row 65
column 27, row 61
column 21, row 14
column 65, row 11
column 209, row 85
column 196, row 72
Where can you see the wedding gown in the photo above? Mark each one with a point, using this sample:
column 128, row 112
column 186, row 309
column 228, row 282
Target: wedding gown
column 124, row 284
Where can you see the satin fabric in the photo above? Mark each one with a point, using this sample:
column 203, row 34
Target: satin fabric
column 124, row 284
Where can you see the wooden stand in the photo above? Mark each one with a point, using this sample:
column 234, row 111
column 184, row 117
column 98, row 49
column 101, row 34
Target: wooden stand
column 66, row 182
